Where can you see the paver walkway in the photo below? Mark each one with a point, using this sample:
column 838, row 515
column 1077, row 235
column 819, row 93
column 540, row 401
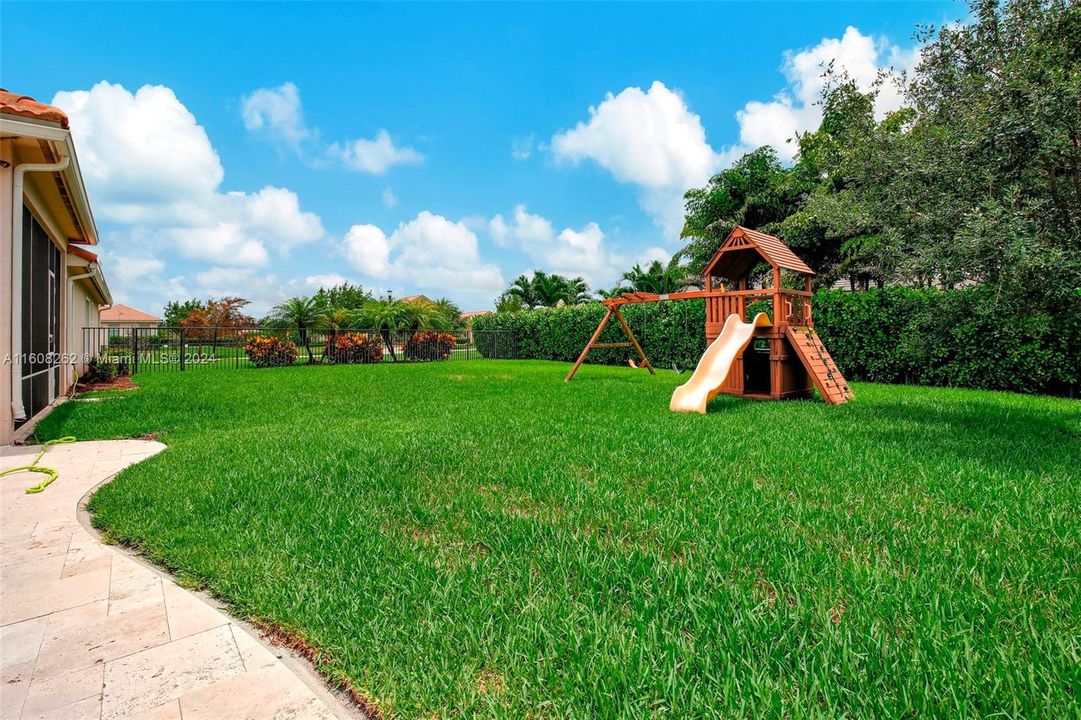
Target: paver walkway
column 88, row 632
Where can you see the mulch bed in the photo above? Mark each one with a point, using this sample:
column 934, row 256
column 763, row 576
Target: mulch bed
column 120, row 383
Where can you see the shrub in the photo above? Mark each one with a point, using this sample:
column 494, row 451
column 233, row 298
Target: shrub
column 669, row 332
column 355, row 348
column 100, row 370
column 429, row 345
column 963, row 338
column 266, row 351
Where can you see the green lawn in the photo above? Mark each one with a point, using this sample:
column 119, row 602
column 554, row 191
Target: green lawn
column 471, row 539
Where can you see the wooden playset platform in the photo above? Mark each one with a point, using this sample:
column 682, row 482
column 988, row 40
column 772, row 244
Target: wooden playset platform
column 786, row 360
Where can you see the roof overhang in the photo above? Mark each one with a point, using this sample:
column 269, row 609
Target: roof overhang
column 32, row 138
column 744, row 248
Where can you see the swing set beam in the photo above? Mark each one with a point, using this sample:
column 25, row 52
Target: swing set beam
column 613, row 310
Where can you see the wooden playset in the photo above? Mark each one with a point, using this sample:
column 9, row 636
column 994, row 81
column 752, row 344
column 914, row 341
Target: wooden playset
column 778, row 359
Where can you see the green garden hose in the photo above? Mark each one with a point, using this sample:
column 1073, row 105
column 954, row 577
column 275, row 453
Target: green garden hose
column 34, row 467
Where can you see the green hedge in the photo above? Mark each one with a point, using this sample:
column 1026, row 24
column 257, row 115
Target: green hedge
column 964, row 338
column 669, row 332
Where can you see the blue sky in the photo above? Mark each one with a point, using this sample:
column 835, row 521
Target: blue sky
column 265, row 149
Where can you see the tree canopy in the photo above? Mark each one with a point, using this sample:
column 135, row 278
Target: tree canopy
column 976, row 181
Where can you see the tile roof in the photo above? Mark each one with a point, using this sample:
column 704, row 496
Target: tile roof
column 123, row 313
column 477, row 313
column 28, row 107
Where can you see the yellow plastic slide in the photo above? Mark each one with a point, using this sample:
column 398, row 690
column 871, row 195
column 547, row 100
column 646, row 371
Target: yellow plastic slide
column 705, row 383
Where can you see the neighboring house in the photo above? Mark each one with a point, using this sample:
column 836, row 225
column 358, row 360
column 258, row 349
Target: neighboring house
column 418, row 299
column 123, row 316
column 467, row 319
column 50, row 286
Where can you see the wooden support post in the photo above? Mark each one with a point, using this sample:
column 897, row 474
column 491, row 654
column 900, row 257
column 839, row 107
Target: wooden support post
column 589, row 346
column 778, row 302
column 612, row 310
column 808, row 286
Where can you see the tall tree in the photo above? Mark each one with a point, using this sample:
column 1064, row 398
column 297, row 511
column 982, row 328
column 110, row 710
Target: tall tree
column 176, row 310
column 755, row 192
column 345, row 296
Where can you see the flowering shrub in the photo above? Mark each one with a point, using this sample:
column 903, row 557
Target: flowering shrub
column 429, row 345
column 101, row 369
column 355, row 348
column 266, row 351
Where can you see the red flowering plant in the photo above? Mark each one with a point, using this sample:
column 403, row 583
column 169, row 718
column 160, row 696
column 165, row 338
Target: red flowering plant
column 429, row 345
column 355, row 347
column 266, row 351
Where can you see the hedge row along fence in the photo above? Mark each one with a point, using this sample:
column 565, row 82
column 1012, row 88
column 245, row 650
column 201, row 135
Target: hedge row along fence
column 962, row 338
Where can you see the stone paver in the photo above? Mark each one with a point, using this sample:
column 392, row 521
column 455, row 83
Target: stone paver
column 88, row 632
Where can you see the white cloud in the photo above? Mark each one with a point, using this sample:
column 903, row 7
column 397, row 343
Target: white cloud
column 327, row 280
column 654, row 253
column 143, row 155
column 277, row 113
column 129, row 276
column 646, row 138
column 652, row 139
column 226, row 243
column 275, row 214
column 130, row 270
column 522, row 148
column 390, row 200
column 217, row 277
column 524, row 230
column 152, row 173
column 367, row 249
column 795, row 109
column 428, row 252
column 569, row 252
column 374, row 156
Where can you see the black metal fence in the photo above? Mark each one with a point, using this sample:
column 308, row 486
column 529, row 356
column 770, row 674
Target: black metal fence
column 175, row 349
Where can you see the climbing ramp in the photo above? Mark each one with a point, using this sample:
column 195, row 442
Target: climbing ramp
column 820, row 365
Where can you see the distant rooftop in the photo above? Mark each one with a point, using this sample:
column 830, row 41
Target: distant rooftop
column 123, row 313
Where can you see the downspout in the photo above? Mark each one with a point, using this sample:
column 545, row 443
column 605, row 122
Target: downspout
column 93, row 269
column 17, row 409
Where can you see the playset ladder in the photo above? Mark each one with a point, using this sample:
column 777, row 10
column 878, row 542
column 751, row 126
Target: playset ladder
column 827, row 378
column 633, row 342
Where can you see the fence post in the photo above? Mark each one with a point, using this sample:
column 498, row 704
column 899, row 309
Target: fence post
column 134, row 350
column 181, row 348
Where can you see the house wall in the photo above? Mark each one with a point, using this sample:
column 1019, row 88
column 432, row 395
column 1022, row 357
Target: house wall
column 7, row 178
column 84, row 313
column 8, row 324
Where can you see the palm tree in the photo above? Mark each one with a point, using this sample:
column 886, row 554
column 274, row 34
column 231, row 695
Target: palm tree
column 524, row 289
column 336, row 319
column 423, row 316
column 660, row 278
column 614, row 292
column 509, row 303
column 301, row 314
column 386, row 316
column 576, row 291
column 549, row 289
column 449, row 310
